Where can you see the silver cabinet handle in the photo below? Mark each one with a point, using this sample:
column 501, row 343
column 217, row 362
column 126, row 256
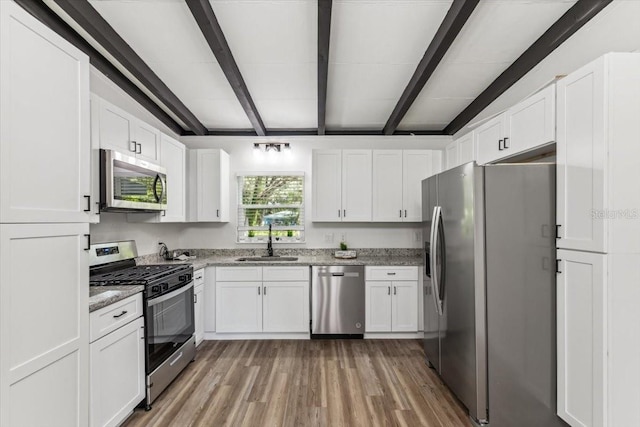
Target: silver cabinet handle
column 135, row 146
column 344, row 213
column 139, row 150
column 259, row 289
column 338, row 213
column 394, row 290
column 388, row 290
column 400, row 213
column 405, row 213
column 504, row 144
column 391, row 274
column 195, row 298
column 88, row 203
column 264, row 290
column 218, row 213
column 115, row 316
column 88, row 236
column 500, row 144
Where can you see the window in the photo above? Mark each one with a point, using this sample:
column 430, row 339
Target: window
column 271, row 199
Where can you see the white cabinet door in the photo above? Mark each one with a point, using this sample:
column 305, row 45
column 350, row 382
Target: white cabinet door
column 114, row 127
column 387, row 182
column 532, row 122
column 238, row 307
column 147, row 139
column 285, row 306
column 209, row 307
column 117, row 374
column 211, row 192
column 173, row 158
column 489, row 140
column 356, row 185
column 581, row 159
column 198, row 312
column 44, row 123
column 326, row 177
column 416, row 166
column 451, row 155
column 404, row 307
column 581, row 324
column 378, row 306
column 44, row 324
column 466, row 149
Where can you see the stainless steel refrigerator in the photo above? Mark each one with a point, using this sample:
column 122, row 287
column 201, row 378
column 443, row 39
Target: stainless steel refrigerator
column 489, row 289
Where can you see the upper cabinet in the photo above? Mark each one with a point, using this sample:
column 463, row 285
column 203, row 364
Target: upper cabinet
column 374, row 185
column 44, row 123
column 597, row 153
column 208, row 186
column 400, row 169
column 341, row 185
column 118, row 130
column 526, row 125
column 460, row 151
column 451, row 155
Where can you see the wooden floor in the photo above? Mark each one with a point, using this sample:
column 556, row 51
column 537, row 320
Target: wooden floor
column 306, row 383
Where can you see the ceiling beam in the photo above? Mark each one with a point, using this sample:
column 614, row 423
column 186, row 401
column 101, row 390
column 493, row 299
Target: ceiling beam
column 578, row 15
column 41, row 12
column 99, row 29
column 451, row 25
column 324, row 35
column 313, row 132
column 208, row 23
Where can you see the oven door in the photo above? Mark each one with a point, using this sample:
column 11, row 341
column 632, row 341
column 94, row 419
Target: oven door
column 169, row 324
column 128, row 183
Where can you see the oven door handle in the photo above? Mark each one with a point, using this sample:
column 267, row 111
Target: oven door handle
column 153, row 301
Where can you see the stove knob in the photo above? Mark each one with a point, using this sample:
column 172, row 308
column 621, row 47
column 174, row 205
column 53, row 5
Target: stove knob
column 155, row 289
column 165, row 286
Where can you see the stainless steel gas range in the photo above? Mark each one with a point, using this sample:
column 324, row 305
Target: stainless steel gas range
column 168, row 308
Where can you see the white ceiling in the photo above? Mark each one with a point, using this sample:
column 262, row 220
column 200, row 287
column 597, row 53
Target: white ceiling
column 374, row 50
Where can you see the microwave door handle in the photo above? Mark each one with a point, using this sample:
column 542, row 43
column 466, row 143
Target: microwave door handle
column 163, row 183
column 155, row 186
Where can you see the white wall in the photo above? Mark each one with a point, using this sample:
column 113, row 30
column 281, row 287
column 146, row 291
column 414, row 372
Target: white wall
column 243, row 158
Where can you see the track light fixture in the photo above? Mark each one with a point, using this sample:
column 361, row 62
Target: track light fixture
column 272, row 146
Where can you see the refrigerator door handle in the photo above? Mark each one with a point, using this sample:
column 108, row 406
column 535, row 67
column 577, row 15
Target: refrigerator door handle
column 435, row 281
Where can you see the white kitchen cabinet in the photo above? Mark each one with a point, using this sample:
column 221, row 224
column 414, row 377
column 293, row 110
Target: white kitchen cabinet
column 391, row 299
column 44, row 324
column 208, row 186
column 466, row 149
column 117, row 374
column 118, row 130
column 209, row 306
column 199, row 303
column 597, row 153
column 44, row 123
column 451, row 155
column 581, row 315
column 279, row 304
column 528, row 124
column 285, row 306
column 341, row 185
column 238, row 306
column 173, row 157
column 393, row 169
column 489, row 139
column 356, row 185
column 387, row 181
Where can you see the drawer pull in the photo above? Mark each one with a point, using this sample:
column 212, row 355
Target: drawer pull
column 391, row 274
column 115, row 316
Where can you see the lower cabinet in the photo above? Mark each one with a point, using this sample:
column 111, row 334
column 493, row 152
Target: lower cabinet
column 209, row 299
column 198, row 304
column 117, row 372
column 279, row 303
column 581, row 320
column 391, row 305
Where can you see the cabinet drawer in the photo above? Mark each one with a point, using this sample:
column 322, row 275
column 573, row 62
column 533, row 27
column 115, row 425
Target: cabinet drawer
column 284, row 274
column 391, row 273
column 238, row 274
column 112, row 317
column 198, row 277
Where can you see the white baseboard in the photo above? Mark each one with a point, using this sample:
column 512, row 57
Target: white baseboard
column 256, row 336
column 393, row 335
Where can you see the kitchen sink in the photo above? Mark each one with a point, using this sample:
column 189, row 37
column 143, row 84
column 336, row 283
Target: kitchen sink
column 268, row 258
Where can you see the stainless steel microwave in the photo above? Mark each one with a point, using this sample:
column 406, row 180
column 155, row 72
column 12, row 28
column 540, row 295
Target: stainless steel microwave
column 129, row 184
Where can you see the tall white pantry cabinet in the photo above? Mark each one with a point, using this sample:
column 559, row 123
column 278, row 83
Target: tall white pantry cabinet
column 44, row 225
column 598, row 217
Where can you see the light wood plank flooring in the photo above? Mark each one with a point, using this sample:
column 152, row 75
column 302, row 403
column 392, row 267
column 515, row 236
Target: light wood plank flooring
column 306, row 383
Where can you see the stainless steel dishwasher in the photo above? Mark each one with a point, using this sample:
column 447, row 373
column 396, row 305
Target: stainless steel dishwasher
column 337, row 301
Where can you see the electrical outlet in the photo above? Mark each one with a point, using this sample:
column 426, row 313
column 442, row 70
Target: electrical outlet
column 328, row 237
column 417, row 236
column 343, row 237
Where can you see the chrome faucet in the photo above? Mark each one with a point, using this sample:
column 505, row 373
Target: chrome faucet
column 270, row 243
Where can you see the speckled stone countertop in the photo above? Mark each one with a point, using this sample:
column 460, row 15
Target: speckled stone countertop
column 102, row 296
column 229, row 257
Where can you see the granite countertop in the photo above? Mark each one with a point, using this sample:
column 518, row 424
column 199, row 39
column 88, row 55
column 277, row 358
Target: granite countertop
column 102, row 296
